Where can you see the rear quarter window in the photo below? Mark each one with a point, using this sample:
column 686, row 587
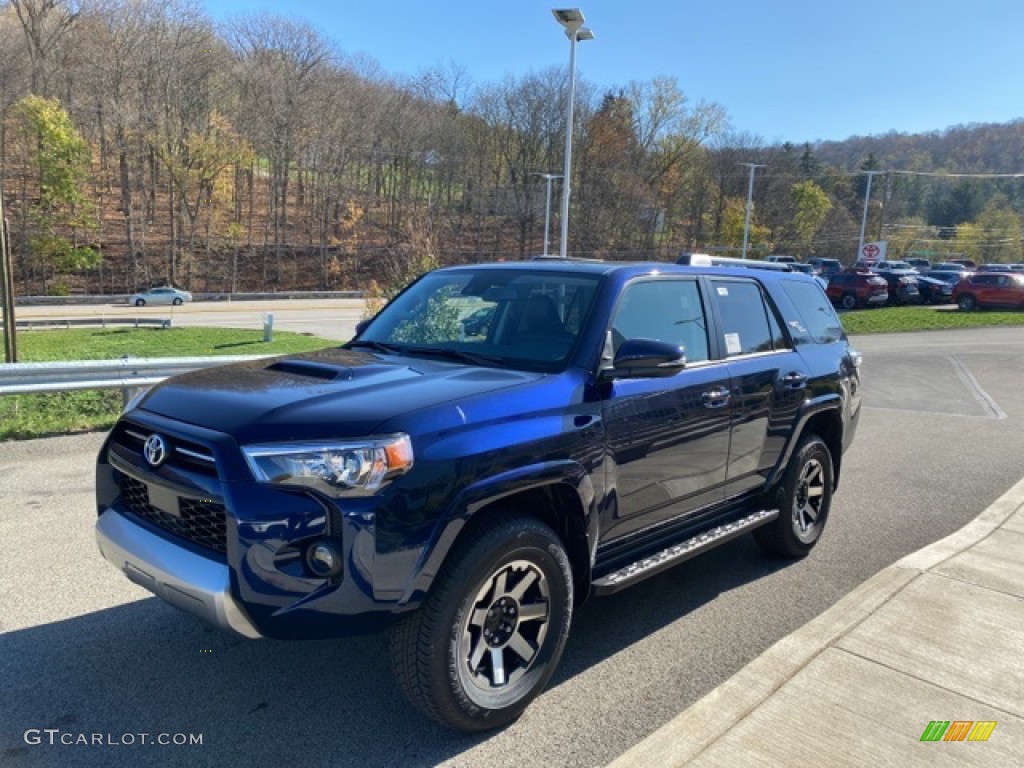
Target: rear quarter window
column 817, row 320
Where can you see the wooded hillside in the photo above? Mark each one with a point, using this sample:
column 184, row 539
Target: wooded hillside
column 142, row 144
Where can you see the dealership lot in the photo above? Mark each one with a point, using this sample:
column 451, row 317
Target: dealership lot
column 84, row 651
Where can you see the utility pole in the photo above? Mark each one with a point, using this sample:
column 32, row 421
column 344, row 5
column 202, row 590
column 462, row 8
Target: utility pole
column 750, row 201
column 864, row 218
column 7, row 290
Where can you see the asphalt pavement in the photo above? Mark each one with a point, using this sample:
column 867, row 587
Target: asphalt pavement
column 85, row 652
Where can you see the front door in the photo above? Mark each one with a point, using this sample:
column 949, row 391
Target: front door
column 668, row 438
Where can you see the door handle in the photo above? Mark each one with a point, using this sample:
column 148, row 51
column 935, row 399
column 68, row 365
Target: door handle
column 794, row 380
column 715, row 398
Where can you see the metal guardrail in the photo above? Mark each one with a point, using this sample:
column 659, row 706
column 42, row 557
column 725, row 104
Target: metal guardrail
column 126, row 374
column 102, row 322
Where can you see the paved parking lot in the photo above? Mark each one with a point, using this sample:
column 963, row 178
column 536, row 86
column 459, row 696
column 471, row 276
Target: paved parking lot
column 85, row 651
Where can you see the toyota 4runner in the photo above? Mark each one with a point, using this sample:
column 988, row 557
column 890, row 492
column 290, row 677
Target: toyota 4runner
column 469, row 483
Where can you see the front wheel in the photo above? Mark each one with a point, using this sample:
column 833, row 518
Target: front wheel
column 804, row 500
column 967, row 302
column 177, row 301
column 140, row 302
column 488, row 637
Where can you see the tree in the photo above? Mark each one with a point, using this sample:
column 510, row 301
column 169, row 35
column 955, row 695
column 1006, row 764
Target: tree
column 45, row 23
column 195, row 164
column 48, row 143
column 278, row 66
column 995, row 237
column 811, row 205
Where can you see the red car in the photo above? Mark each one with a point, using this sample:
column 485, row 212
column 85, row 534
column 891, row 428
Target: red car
column 857, row 289
column 989, row 289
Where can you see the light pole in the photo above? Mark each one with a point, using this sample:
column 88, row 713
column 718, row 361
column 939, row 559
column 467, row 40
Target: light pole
column 7, row 290
column 864, row 218
column 572, row 20
column 750, row 199
column 547, row 206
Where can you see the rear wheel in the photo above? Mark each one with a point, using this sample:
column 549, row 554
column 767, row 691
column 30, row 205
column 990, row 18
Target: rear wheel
column 804, row 499
column 967, row 302
column 488, row 637
column 848, row 301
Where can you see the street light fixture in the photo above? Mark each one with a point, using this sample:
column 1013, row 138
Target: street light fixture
column 572, row 20
column 547, row 206
column 750, row 200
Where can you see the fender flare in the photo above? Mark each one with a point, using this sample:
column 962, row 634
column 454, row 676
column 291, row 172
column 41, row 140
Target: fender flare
column 487, row 491
column 831, row 402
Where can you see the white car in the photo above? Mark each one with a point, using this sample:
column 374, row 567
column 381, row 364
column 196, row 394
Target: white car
column 160, row 296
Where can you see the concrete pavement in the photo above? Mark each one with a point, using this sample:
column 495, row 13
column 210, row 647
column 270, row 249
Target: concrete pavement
column 937, row 636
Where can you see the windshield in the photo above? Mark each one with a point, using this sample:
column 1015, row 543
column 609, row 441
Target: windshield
column 516, row 318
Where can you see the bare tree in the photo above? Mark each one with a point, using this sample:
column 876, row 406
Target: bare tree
column 45, row 23
column 277, row 67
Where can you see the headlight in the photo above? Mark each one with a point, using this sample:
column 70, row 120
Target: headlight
column 337, row 469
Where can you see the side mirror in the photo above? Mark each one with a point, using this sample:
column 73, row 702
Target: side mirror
column 361, row 326
column 647, row 358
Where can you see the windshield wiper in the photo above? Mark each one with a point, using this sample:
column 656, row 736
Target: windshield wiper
column 378, row 346
column 455, row 354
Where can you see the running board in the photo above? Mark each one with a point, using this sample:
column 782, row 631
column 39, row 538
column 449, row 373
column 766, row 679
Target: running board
column 677, row 553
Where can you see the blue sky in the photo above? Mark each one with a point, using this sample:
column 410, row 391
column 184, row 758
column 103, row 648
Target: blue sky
column 786, row 70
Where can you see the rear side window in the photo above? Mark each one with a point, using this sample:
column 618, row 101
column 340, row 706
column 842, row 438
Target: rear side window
column 744, row 317
column 817, row 318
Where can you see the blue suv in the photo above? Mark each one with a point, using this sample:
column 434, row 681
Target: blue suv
column 470, row 489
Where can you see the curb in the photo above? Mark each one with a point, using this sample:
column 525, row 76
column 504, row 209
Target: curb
column 688, row 734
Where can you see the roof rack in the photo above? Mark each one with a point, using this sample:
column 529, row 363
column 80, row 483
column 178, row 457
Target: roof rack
column 556, row 257
column 707, row 260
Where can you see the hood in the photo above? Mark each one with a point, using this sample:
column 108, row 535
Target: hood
column 325, row 394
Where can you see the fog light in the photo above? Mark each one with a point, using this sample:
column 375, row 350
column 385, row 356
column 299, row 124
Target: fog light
column 324, row 558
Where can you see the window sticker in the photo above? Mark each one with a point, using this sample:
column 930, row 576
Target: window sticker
column 723, row 291
column 732, row 344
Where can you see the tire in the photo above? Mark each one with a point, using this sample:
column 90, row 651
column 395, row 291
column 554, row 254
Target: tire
column 176, row 302
column 848, row 301
column 967, row 302
column 801, row 519
column 455, row 658
column 140, row 302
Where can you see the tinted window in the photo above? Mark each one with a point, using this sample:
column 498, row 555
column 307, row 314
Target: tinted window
column 664, row 310
column 841, row 279
column 818, row 319
column 745, row 328
column 517, row 318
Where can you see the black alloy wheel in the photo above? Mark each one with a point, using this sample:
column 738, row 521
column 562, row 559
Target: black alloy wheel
column 804, row 499
column 491, row 631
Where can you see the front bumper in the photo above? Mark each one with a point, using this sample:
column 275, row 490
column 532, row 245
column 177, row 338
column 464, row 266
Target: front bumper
column 184, row 579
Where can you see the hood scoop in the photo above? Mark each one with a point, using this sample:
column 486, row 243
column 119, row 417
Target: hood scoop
column 310, row 370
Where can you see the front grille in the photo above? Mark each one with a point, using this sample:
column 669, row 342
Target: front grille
column 189, row 456
column 203, row 523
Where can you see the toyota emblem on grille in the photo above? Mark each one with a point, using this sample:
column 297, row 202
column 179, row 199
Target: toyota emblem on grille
column 155, row 450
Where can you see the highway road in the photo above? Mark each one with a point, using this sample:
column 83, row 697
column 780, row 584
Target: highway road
column 329, row 318
column 85, row 651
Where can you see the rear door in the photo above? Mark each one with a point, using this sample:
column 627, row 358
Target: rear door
column 768, row 378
